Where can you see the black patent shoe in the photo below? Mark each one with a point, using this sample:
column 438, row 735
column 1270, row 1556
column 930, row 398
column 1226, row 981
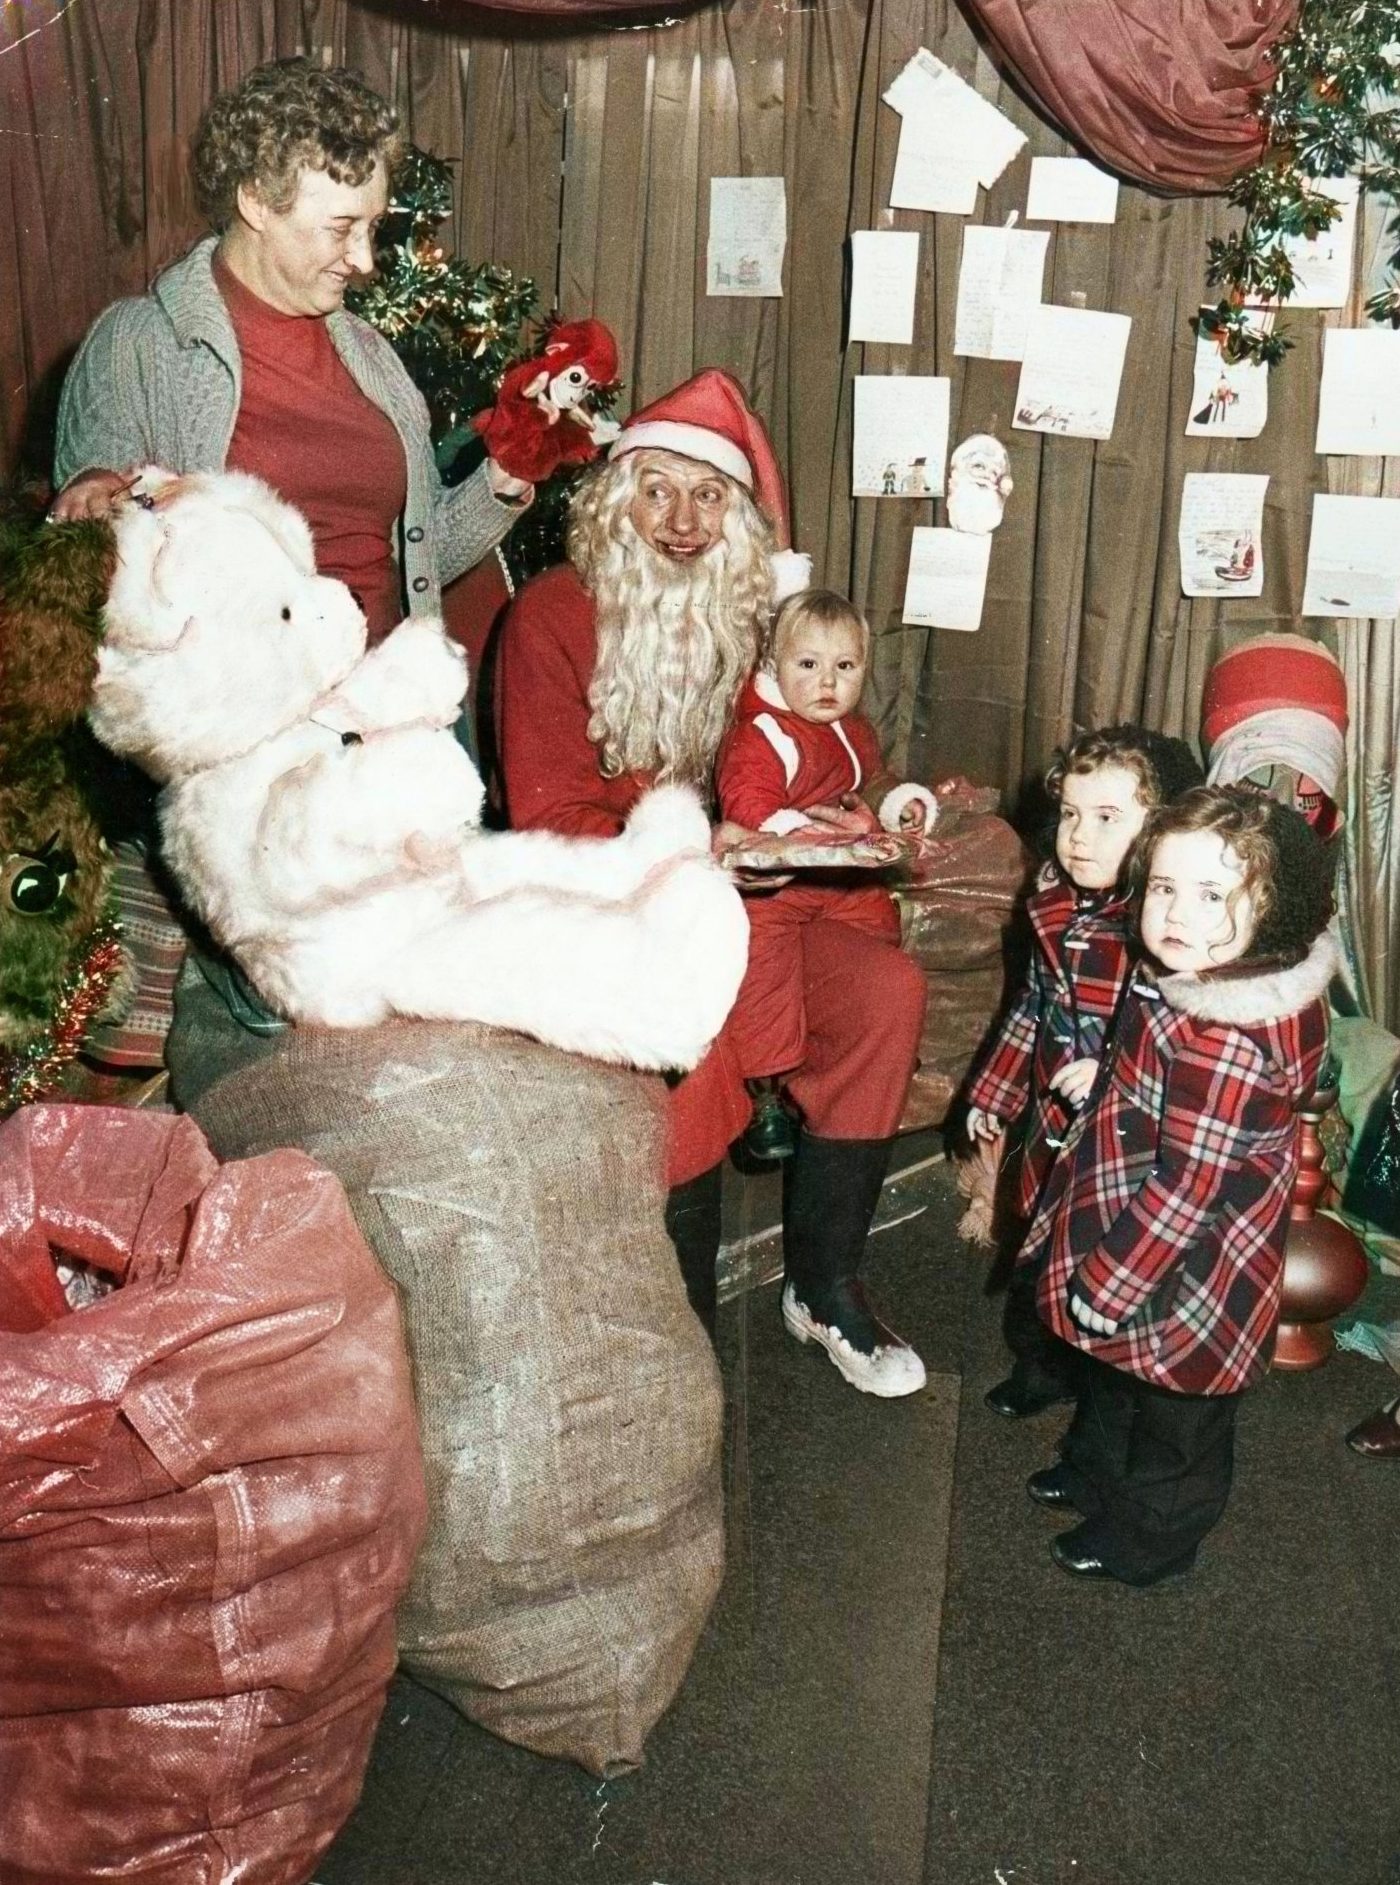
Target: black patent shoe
column 1014, row 1402
column 1048, row 1488
column 1072, row 1556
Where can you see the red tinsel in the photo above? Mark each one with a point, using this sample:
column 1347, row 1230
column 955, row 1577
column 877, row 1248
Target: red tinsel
column 37, row 1068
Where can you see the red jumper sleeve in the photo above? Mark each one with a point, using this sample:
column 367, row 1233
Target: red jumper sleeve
column 749, row 780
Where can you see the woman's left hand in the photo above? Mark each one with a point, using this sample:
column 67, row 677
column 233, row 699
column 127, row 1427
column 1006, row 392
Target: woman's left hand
column 517, row 491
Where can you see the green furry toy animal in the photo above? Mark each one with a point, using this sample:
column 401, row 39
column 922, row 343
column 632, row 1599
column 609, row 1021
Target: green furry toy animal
column 61, row 962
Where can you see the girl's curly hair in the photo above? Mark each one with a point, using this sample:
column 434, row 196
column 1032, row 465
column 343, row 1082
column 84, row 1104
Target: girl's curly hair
column 1162, row 766
column 1288, row 870
column 286, row 117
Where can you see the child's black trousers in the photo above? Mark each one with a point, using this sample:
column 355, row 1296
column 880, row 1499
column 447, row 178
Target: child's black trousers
column 1149, row 1469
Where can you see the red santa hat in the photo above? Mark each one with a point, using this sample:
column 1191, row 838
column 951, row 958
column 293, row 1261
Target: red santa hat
column 1277, row 700
column 709, row 418
column 1269, row 674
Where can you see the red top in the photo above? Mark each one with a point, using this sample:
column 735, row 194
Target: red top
column 773, row 762
column 305, row 426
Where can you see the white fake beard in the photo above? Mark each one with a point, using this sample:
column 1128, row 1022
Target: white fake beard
column 974, row 507
column 670, row 661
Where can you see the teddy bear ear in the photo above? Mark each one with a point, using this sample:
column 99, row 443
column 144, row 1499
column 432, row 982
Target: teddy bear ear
column 240, row 490
column 140, row 615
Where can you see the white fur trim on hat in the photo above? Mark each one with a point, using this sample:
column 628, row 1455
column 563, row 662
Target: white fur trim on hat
column 687, row 441
column 792, row 570
column 1282, row 736
column 893, row 803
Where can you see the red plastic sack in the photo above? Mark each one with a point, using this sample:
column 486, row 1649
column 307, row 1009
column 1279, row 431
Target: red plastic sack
column 210, row 1498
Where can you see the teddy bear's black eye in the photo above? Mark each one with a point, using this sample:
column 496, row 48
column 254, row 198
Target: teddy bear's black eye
column 286, row 615
column 31, row 886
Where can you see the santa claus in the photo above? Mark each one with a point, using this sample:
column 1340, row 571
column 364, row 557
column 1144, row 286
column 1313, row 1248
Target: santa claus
column 622, row 667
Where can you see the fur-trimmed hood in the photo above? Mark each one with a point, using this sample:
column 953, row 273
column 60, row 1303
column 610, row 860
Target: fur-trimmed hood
column 1247, row 999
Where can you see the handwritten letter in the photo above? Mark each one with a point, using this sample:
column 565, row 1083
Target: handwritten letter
column 999, row 286
column 1221, row 534
column 947, row 581
column 884, row 279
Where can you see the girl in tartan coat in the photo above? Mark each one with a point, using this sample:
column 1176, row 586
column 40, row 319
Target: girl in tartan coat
column 1042, row 1060
column 1160, row 1232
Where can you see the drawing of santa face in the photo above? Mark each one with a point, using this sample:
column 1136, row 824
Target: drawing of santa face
column 979, row 483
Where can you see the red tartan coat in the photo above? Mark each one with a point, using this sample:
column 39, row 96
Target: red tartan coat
column 1169, row 1205
column 1078, row 967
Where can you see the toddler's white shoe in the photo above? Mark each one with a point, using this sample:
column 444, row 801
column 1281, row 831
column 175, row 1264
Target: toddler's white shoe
column 871, row 1357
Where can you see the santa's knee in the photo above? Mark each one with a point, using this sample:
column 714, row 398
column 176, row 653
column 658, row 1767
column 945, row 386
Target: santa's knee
column 899, row 993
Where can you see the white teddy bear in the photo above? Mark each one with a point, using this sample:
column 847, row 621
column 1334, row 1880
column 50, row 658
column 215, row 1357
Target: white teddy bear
column 323, row 822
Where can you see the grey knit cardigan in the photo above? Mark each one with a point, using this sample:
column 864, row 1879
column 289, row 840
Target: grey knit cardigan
column 158, row 381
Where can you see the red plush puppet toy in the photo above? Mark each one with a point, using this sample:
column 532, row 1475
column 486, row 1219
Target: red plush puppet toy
column 540, row 419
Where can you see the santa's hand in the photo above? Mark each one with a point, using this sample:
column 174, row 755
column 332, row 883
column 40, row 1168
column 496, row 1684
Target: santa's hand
column 1075, row 1082
column 517, row 491
column 914, row 816
column 728, row 836
column 1087, row 1317
column 852, row 818
column 983, row 1125
column 91, row 496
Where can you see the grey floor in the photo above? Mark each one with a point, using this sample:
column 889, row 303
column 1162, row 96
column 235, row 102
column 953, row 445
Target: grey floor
column 897, row 1687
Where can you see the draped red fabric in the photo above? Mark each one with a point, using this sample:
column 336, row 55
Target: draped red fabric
column 1159, row 92
column 582, row 12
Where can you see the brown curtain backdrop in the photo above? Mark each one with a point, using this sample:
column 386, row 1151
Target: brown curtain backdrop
column 1163, row 94
column 584, row 155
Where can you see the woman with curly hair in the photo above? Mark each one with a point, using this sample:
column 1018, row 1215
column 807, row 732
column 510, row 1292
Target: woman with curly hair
column 242, row 356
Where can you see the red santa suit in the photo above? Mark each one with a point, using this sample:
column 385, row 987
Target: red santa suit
column 772, row 768
column 863, row 999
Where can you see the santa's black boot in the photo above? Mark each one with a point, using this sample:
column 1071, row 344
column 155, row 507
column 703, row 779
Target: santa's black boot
column 830, row 1192
column 693, row 1225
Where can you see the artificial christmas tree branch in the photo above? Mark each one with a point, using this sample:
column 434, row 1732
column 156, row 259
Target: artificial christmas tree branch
column 1327, row 114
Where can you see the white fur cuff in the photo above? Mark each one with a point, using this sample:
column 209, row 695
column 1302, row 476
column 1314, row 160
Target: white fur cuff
column 893, row 803
column 784, row 822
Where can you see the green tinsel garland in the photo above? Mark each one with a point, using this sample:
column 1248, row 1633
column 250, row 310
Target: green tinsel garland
column 1326, row 115
column 457, row 328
